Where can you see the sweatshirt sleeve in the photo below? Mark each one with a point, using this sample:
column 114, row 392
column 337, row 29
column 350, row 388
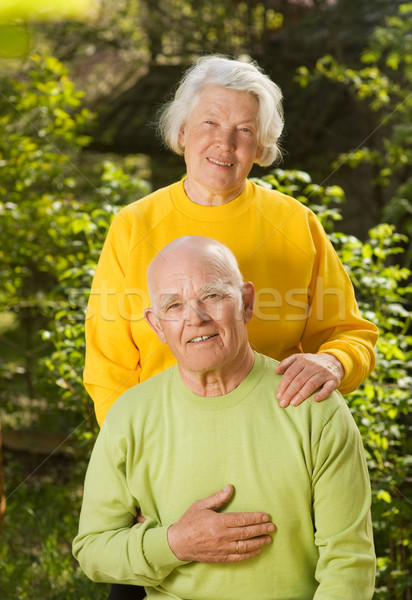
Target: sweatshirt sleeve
column 108, row 546
column 341, row 505
column 334, row 323
column 112, row 359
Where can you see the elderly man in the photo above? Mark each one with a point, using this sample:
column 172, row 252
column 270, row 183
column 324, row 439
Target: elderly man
column 200, row 485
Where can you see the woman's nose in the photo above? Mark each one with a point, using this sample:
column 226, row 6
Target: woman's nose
column 225, row 139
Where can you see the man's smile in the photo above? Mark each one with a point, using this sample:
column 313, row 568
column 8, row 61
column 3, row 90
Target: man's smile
column 202, row 338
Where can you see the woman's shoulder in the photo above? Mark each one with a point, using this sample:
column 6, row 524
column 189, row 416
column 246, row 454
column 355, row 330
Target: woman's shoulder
column 272, row 197
column 290, row 211
column 150, row 202
column 143, row 213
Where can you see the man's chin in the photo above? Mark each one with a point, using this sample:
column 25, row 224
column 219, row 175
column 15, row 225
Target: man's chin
column 201, row 362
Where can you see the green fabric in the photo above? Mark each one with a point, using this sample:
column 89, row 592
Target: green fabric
column 162, row 448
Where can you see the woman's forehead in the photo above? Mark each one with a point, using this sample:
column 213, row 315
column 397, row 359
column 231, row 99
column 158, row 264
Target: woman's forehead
column 215, row 98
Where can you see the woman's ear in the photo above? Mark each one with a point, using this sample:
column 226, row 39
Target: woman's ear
column 259, row 153
column 248, row 298
column 182, row 136
column 154, row 323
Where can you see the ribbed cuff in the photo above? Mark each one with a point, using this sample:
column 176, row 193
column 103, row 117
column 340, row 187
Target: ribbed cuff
column 157, row 550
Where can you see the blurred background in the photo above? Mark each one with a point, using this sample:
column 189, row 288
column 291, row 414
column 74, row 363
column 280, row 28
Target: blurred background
column 80, row 86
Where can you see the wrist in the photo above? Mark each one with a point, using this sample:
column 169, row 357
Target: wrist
column 172, row 541
column 340, row 370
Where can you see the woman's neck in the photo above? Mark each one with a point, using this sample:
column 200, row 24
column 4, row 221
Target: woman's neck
column 205, row 197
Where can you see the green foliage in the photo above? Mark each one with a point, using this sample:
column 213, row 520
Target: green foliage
column 382, row 404
column 383, row 83
column 163, row 30
column 40, row 119
column 54, row 222
column 41, row 521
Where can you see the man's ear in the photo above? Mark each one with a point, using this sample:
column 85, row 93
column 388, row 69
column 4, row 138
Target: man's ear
column 154, row 323
column 248, row 298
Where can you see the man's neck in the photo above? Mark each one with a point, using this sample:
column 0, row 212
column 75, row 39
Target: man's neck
column 221, row 381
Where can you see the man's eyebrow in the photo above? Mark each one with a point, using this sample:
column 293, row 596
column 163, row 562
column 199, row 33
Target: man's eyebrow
column 219, row 287
column 166, row 299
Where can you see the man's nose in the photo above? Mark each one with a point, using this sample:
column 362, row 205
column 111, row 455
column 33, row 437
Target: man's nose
column 194, row 313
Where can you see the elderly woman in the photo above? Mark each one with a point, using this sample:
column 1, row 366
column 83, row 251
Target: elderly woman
column 226, row 116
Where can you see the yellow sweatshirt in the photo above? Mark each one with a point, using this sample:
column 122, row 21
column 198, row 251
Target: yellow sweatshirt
column 304, row 299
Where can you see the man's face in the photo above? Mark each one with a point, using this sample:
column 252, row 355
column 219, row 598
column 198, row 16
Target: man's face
column 199, row 313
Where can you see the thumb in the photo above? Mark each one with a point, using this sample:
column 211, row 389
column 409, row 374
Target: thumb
column 216, row 500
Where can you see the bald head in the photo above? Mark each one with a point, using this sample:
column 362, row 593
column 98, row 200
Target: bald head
column 200, row 308
column 186, row 251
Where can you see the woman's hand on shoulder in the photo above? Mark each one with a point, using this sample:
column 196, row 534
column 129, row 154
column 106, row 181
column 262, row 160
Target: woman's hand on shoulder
column 303, row 374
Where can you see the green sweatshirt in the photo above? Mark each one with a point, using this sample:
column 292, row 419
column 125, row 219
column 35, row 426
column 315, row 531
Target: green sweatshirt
column 162, row 447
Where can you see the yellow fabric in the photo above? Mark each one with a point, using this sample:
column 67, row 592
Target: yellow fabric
column 305, row 300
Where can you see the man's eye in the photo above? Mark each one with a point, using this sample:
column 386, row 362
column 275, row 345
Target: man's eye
column 212, row 296
column 173, row 306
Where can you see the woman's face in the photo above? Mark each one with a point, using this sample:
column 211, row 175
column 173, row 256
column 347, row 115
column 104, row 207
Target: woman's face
column 221, row 144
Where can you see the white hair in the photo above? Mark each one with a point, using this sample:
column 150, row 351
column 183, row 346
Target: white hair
column 235, row 75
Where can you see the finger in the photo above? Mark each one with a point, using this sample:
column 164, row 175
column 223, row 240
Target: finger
column 216, row 500
column 251, row 531
column 290, row 383
column 303, row 386
column 305, row 390
column 290, row 373
column 244, row 519
column 285, row 364
column 329, row 387
column 247, row 546
column 240, row 557
column 309, row 387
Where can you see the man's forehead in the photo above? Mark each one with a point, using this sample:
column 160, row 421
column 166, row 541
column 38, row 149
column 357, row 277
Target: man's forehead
column 198, row 273
column 192, row 285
